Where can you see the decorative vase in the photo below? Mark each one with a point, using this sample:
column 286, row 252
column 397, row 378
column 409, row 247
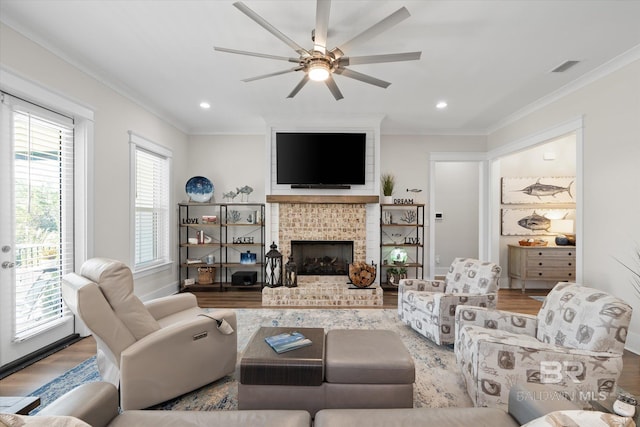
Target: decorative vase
column 387, row 200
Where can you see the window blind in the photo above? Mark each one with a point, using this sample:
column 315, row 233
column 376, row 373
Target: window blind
column 151, row 213
column 43, row 211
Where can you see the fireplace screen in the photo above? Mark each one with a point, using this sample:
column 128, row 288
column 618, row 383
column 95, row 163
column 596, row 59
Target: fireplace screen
column 322, row 257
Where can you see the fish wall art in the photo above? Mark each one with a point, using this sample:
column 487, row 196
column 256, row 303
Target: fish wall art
column 528, row 222
column 538, row 190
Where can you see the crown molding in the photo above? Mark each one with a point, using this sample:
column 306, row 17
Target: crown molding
column 604, row 70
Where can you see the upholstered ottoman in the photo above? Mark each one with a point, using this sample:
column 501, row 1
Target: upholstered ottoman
column 367, row 369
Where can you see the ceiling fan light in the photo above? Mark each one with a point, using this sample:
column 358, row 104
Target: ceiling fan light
column 319, row 71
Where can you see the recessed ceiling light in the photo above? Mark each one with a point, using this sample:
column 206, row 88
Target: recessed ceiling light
column 205, row 105
column 441, row 105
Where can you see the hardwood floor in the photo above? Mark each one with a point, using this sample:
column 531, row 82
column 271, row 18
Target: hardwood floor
column 32, row 377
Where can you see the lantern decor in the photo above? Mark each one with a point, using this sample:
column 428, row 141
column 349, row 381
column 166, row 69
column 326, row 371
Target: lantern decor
column 273, row 267
column 291, row 273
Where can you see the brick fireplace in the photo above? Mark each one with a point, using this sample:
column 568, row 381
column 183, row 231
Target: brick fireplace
column 320, row 221
column 323, row 221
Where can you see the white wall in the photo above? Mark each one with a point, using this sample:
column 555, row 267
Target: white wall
column 610, row 107
column 229, row 161
column 407, row 158
column 114, row 116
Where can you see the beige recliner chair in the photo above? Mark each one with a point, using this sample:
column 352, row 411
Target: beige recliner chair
column 152, row 351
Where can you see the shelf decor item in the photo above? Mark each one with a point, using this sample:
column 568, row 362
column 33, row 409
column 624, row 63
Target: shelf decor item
column 205, row 275
column 409, row 217
column 388, row 182
column 234, row 217
column 244, row 192
column 394, row 275
column 291, row 273
column 199, row 189
column 398, row 256
column 532, row 242
column 273, row 267
column 247, row 258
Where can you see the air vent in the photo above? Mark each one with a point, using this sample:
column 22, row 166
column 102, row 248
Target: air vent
column 564, row 66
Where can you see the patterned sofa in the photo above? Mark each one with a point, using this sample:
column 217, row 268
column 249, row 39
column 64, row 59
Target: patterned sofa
column 429, row 306
column 573, row 346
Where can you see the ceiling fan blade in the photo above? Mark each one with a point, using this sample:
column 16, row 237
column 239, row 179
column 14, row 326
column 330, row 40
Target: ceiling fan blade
column 259, row 55
column 299, row 86
column 333, row 87
column 372, row 59
column 277, row 73
column 273, row 30
column 362, row 77
column 322, row 25
column 388, row 22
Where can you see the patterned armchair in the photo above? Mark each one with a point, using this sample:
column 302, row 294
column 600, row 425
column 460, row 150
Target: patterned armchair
column 429, row 306
column 573, row 346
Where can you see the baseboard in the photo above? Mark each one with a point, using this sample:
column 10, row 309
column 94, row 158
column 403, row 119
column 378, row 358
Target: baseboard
column 29, row 359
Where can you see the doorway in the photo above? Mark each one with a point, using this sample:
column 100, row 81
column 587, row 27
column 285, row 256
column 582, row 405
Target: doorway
column 567, row 138
column 45, row 211
column 457, row 202
column 36, row 232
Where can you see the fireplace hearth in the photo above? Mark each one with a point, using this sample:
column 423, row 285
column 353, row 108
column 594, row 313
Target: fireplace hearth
column 322, row 257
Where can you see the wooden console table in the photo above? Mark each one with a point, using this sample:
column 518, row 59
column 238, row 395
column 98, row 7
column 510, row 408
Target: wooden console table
column 541, row 263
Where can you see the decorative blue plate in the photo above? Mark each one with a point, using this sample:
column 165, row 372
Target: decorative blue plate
column 199, row 189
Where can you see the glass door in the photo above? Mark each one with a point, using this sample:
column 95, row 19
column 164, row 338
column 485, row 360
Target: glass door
column 36, row 227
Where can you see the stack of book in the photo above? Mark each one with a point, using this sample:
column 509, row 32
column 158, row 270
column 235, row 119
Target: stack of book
column 287, row 341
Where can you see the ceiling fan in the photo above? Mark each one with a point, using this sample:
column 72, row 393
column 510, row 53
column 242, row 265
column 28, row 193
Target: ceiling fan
column 319, row 63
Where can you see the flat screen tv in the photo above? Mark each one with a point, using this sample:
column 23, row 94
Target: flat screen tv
column 316, row 160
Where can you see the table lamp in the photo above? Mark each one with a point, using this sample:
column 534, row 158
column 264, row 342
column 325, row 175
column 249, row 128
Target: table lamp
column 564, row 228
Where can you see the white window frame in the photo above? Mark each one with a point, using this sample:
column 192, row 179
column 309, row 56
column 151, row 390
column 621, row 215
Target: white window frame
column 164, row 260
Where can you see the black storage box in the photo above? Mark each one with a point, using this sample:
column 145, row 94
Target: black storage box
column 246, row 278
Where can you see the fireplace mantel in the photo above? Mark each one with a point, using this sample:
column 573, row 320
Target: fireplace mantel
column 322, row 199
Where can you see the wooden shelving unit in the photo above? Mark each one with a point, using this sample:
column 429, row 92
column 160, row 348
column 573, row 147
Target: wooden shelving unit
column 239, row 228
column 402, row 226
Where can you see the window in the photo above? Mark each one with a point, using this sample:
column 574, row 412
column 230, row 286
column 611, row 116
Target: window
column 151, row 172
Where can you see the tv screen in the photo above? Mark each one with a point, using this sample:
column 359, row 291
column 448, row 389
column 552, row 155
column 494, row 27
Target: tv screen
column 317, row 159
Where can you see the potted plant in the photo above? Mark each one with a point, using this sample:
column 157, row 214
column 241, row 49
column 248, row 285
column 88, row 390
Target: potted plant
column 635, row 271
column 395, row 274
column 388, row 182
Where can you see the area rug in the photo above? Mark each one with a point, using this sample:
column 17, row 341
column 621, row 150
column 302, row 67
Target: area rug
column 438, row 381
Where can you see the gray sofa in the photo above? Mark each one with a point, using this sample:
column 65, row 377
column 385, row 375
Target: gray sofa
column 97, row 404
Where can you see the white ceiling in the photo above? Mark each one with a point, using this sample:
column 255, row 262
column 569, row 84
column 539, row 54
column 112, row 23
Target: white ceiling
column 487, row 59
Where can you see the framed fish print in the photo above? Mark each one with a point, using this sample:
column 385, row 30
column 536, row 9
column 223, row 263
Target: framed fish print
column 531, row 222
column 538, row 190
